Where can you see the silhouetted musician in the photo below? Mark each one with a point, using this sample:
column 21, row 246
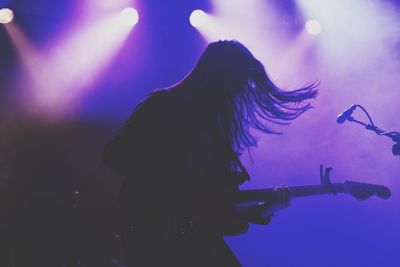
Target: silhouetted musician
column 179, row 153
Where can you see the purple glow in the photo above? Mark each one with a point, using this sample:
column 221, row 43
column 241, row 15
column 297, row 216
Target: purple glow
column 287, row 57
column 58, row 77
column 31, row 62
column 105, row 5
column 356, row 59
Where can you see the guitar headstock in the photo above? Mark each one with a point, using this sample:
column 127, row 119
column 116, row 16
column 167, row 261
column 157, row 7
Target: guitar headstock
column 363, row 191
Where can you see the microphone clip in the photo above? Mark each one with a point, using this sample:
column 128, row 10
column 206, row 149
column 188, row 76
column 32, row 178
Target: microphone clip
column 396, row 149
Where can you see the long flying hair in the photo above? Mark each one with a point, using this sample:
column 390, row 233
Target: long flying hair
column 246, row 97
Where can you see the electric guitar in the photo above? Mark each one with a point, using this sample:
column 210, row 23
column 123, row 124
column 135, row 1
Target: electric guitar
column 247, row 199
column 258, row 205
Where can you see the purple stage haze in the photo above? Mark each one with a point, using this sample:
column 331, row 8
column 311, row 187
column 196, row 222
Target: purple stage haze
column 70, row 74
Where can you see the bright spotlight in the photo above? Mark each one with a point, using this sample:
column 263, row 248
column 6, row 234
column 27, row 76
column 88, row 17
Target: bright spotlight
column 313, row 27
column 129, row 16
column 6, row 15
column 198, row 18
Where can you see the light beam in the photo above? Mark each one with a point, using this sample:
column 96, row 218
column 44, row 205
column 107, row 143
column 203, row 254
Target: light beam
column 61, row 75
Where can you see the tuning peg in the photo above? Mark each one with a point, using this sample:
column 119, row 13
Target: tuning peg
column 325, row 177
column 321, row 173
column 324, row 174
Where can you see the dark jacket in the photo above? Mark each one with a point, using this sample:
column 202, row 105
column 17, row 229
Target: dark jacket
column 172, row 179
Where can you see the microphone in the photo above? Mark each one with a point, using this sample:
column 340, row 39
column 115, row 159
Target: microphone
column 342, row 117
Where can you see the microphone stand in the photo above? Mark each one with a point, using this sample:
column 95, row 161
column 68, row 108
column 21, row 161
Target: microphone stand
column 395, row 136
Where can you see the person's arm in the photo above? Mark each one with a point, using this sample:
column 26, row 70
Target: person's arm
column 262, row 212
column 215, row 209
column 230, row 222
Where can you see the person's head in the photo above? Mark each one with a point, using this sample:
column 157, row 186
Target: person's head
column 241, row 93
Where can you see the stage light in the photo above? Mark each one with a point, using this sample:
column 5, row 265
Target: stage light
column 198, row 18
column 6, row 15
column 129, row 16
column 313, row 27
column 70, row 66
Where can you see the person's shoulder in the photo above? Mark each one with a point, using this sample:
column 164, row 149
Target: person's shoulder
column 164, row 100
column 160, row 104
column 154, row 99
column 158, row 94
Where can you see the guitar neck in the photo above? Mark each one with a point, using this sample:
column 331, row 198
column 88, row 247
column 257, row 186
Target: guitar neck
column 297, row 191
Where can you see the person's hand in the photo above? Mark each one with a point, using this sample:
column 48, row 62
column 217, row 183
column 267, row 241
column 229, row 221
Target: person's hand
column 262, row 212
column 282, row 197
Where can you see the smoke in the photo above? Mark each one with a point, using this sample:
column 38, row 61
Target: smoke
column 356, row 58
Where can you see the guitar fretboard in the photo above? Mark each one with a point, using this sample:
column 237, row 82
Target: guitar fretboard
column 298, row 191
